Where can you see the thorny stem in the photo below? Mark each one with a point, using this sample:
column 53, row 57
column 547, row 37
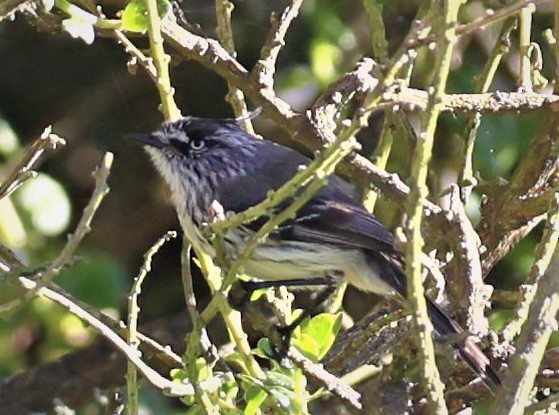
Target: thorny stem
column 133, row 313
column 419, row 191
column 161, row 61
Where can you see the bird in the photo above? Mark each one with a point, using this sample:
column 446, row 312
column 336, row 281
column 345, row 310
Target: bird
column 207, row 160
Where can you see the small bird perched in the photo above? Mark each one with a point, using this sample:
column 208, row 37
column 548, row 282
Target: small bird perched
column 205, row 160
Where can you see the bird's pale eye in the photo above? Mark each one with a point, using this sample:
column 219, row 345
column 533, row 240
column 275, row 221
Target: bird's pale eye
column 197, row 145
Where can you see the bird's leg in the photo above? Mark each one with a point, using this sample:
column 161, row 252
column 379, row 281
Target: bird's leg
column 240, row 294
column 287, row 331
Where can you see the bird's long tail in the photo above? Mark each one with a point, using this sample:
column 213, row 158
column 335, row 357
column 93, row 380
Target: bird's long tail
column 466, row 345
column 392, row 273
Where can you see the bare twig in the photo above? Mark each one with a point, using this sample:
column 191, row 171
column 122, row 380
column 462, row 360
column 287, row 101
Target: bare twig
column 466, row 178
column 198, row 334
column 543, row 254
column 148, row 346
column 137, row 55
column 525, row 32
column 132, row 337
column 264, row 70
column 23, row 170
column 173, row 388
column 331, row 382
column 493, row 17
column 65, row 256
column 223, row 10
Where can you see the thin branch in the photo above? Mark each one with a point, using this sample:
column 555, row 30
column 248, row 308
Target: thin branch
column 265, row 69
column 84, row 226
column 331, row 382
column 235, row 97
column 401, row 60
column 492, row 17
column 161, row 61
column 173, row 388
column 543, row 255
column 197, row 335
column 132, row 337
column 137, row 54
column 466, row 178
column 430, row 376
column 524, row 35
column 148, row 346
column 23, row 170
column 232, row 318
column 379, row 45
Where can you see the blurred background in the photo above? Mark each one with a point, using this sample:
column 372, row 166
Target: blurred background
column 91, row 99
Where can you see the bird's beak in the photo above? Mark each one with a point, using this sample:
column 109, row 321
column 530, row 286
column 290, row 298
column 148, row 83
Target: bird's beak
column 147, row 139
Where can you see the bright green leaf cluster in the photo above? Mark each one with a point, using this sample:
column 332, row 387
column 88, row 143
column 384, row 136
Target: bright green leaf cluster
column 285, row 385
column 225, row 394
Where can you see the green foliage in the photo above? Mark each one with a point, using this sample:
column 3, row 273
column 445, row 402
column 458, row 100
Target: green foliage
column 315, row 336
column 282, row 385
column 135, row 14
column 225, row 395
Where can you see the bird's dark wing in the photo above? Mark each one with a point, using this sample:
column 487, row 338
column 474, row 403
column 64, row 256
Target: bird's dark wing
column 332, row 216
column 346, row 224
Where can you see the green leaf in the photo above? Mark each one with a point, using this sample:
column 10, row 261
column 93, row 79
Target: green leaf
column 307, row 345
column 135, row 15
column 254, row 397
column 256, row 294
column 79, row 29
column 203, row 370
column 264, row 348
column 283, row 397
column 317, row 335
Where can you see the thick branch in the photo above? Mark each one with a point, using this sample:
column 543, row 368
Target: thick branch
column 490, row 102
